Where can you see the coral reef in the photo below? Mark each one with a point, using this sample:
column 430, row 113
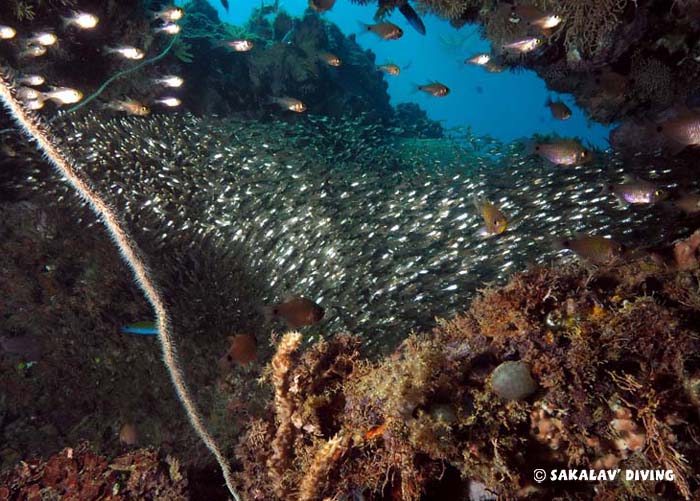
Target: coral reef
column 613, row 352
column 80, row 473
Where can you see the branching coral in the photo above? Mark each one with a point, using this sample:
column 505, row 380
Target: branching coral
column 589, row 24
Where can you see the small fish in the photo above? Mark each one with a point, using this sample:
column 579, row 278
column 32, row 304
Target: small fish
column 43, row 38
column 321, row 5
column 523, row 46
column 289, row 103
column 532, row 16
column 479, row 59
column 7, row 33
column 26, row 93
column 82, row 20
column 169, row 28
column 681, row 131
column 242, row 350
column 173, row 81
column 412, row 17
column 563, row 152
column 384, row 30
column 434, row 89
column 636, row 191
column 559, row 109
column 169, row 14
column 389, row 69
column 126, row 52
column 329, row 59
column 593, row 248
column 62, row 95
column 34, row 104
column 493, row 67
column 170, row 102
column 688, row 203
column 33, row 51
column 297, row 311
column 147, row 328
column 225, row 4
column 128, row 434
column 32, row 80
column 239, row 45
column 130, row 107
column 495, row 222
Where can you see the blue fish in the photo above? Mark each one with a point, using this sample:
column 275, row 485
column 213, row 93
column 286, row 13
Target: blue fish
column 141, row 328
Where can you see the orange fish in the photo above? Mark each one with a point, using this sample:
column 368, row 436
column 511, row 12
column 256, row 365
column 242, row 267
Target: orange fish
column 329, row 59
column 434, row 89
column 128, row 434
column 385, row 30
column 297, row 311
column 242, row 351
column 389, row 69
column 495, row 222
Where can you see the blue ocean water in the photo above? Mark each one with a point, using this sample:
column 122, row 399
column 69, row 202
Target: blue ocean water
column 506, row 105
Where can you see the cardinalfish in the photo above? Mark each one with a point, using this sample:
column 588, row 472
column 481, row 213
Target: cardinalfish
column 81, row 20
column 289, row 103
column 126, row 52
column 169, row 28
column 32, row 80
column 242, row 350
column 239, row 45
column 170, row 102
column 329, row 59
column 532, row 16
column 682, row 130
column 61, row 95
column 563, row 152
column 43, row 38
column 495, row 222
column 321, row 5
column 479, row 59
column 559, row 109
column 523, row 46
column 169, row 14
column 297, row 311
column 33, row 51
column 384, row 30
column 435, row 89
column 635, row 191
column 389, row 69
column 130, row 107
column 593, row 248
column 7, row 33
column 173, row 81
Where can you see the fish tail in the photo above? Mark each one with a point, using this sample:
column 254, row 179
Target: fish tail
column 415, row 87
column 364, row 27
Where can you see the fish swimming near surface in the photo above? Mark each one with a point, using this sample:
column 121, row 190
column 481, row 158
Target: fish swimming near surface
column 412, row 17
column 559, row 109
column 146, row 328
column 495, row 222
column 297, row 311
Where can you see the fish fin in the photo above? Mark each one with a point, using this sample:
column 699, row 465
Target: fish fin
column 364, row 28
column 412, row 17
column 269, row 312
column 415, row 87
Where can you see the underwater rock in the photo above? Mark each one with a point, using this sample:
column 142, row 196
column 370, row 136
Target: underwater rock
column 512, row 381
